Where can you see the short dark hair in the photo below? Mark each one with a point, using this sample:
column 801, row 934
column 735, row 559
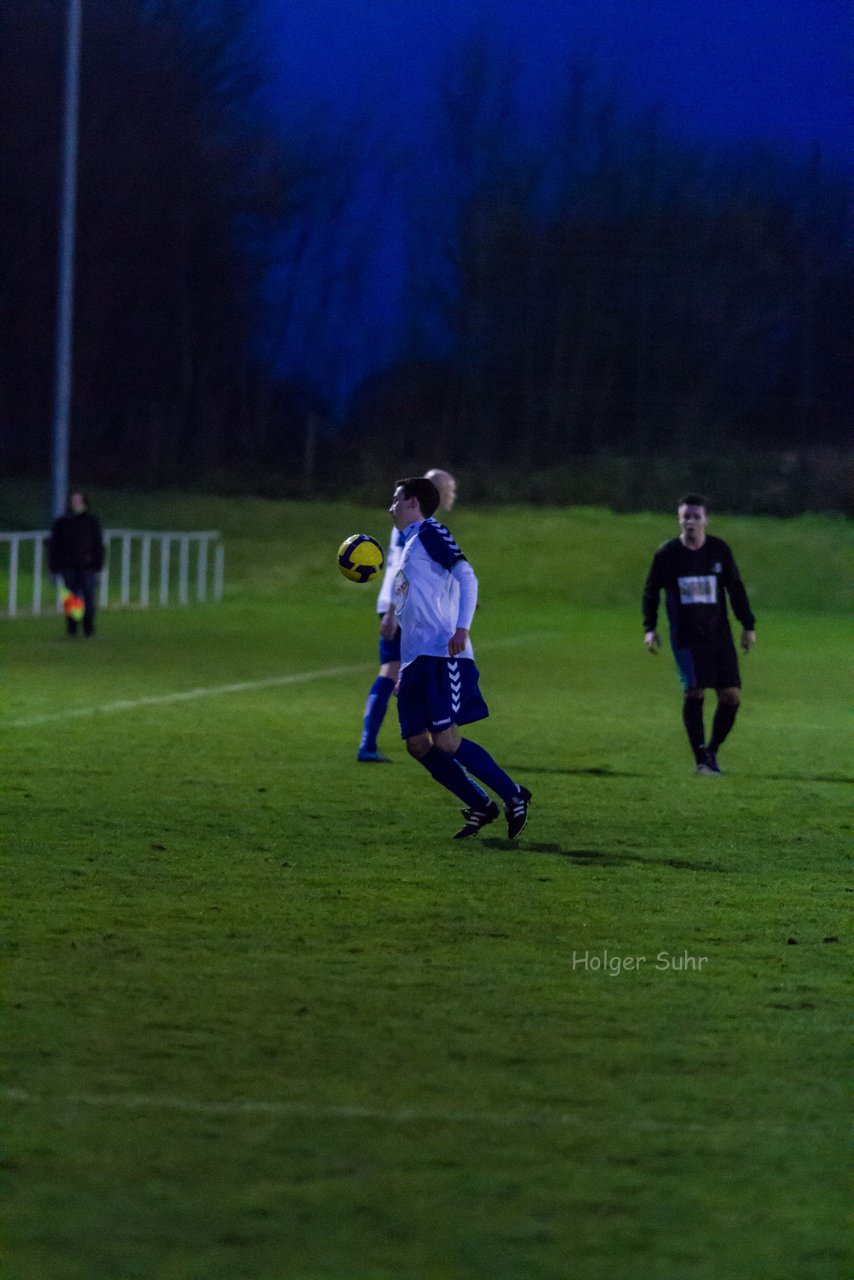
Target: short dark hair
column 692, row 500
column 423, row 489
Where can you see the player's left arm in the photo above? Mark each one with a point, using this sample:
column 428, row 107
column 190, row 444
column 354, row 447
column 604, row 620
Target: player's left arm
column 740, row 603
column 467, row 580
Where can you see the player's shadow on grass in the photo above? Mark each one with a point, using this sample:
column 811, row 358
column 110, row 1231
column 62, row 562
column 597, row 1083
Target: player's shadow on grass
column 579, row 773
column 598, row 857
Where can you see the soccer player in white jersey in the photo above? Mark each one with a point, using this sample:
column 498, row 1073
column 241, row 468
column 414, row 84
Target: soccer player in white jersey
column 381, row 689
column 697, row 572
column 435, row 596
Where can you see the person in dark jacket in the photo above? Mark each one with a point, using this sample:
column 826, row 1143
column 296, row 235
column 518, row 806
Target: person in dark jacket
column 76, row 554
column 697, row 572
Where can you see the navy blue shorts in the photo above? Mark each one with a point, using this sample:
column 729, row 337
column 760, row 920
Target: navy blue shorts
column 390, row 649
column 709, row 667
column 438, row 692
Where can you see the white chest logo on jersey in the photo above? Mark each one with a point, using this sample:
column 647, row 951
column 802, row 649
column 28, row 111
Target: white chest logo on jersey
column 699, row 590
column 401, row 590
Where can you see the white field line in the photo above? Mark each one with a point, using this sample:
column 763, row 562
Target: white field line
column 388, row 1115
column 213, row 691
column 185, row 695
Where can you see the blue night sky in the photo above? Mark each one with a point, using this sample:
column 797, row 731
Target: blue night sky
column 721, row 69
column 719, row 72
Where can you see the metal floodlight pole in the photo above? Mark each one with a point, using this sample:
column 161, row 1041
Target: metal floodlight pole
column 65, row 277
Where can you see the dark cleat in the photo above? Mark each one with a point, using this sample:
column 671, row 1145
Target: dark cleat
column 475, row 819
column 708, row 764
column 516, row 811
column 372, row 757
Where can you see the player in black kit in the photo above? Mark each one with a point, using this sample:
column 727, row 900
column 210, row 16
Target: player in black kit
column 696, row 572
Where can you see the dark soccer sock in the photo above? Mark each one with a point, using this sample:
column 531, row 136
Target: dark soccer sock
column 375, row 709
column 448, row 773
column 480, row 763
column 692, row 718
column 725, row 714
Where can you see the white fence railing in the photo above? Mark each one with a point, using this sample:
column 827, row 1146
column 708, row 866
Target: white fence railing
column 141, row 568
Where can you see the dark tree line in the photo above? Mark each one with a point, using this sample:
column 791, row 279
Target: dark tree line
column 591, row 289
column 183, row 193
column 615, row 291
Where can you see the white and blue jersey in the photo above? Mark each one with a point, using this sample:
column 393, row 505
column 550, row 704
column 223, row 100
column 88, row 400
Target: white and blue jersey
column 389, row 646
column 427, row 592
column 393, row 557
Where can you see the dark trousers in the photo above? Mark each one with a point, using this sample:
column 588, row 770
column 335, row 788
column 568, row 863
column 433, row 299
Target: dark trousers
column 82, row 582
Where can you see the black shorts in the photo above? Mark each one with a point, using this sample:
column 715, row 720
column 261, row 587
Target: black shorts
column 709, row 666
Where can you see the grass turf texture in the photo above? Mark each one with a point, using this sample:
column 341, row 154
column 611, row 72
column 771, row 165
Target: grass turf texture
column 264, row 1019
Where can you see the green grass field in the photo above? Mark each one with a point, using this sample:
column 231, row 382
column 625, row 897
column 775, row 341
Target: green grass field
column 265, row 1020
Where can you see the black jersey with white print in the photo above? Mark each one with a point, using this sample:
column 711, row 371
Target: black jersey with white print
column 696, row 583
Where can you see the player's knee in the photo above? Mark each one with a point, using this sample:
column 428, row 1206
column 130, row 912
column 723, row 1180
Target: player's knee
column 729, row 697
column 447, row 740
column 391, row 670
column 694, row 695
column 419, row 745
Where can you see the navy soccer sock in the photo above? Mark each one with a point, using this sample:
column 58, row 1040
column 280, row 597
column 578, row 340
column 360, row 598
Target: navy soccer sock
column 692, row 718
column 725, row 714
column 480, row 763
column 375, row 709
column 448, row 773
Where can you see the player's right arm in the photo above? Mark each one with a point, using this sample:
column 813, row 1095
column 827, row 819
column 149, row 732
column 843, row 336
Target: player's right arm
column 385, row 600
column 651, row 593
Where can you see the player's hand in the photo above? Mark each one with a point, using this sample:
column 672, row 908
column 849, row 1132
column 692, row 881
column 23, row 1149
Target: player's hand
column 458, row 641
column 396, row 689
column 652, row 641
column 748, row 640
column 388, row 624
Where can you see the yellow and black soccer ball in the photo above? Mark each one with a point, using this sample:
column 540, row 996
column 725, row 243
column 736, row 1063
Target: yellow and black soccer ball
column 360, row 557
